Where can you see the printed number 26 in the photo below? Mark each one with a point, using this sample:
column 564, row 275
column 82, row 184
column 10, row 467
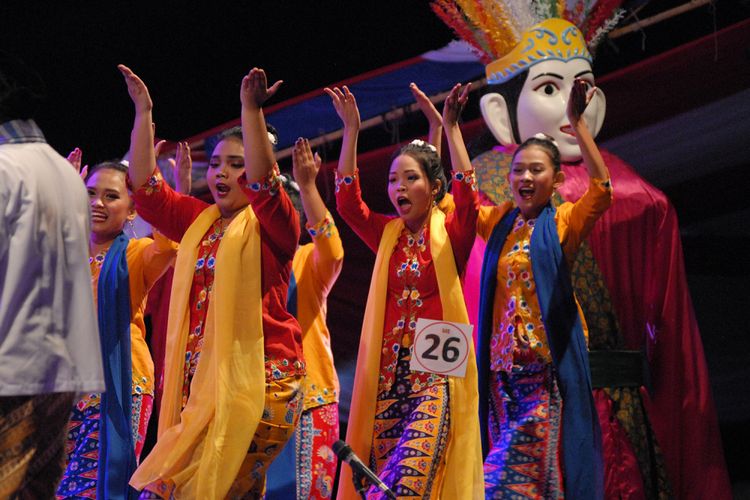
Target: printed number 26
column 450, row 353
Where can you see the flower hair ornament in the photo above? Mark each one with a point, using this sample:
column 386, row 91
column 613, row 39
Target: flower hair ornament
column 544, row 137
column 423, row 144
column 509, row 36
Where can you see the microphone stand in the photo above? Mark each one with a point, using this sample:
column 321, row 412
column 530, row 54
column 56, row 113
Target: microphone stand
column 361, row 484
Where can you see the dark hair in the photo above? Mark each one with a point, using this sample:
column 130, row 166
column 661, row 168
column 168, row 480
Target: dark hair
column 511, row 91
column 236, row 133
column 111, row 164
column 426, row 155
column 546, row 144
column 21, row 89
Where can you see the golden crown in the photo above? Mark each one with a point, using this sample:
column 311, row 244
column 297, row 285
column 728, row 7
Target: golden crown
column 512, row 35
column 551, row 39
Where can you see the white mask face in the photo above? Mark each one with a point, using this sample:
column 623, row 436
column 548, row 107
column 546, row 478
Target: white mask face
column 543, row 101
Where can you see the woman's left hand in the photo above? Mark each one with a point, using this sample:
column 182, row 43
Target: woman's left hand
column 455, row 103
column 580, row 96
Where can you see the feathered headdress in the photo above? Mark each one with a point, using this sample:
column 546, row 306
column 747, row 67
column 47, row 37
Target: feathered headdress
column 512, row 35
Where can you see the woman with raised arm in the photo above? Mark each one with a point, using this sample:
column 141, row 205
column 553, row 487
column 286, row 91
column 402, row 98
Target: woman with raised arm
column 539, row 425
column 418, row 429
column 234, row 365
column 107, row 431
column 316, row 267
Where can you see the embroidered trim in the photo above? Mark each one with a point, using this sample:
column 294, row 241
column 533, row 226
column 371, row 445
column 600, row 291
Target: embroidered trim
column 322, row 227
column 345, row 179
column 468, row 177
column 270, row 182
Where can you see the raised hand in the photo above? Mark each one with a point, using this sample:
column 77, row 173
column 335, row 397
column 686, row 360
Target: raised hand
column 254, row 90
column 182, row 168
column 455, row 103
column 75, row 158
column 580, row 96
column 157, row 148
column 136, row 89
column 426, row 106
column 345, row 105
column 305, row 165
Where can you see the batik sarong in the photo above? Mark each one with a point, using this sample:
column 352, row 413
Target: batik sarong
column 525, row 410
column 32, row 444
column 410, row 435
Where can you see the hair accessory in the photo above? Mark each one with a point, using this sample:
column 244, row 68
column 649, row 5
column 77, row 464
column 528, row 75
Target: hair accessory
column 423, row 144
column 288, row 182
column 544, row 137
column 132, row 229
column 272, row 139
column 513, row 35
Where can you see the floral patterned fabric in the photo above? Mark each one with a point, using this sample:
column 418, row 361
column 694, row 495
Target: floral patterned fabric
column 520, row 337
column 318, row 429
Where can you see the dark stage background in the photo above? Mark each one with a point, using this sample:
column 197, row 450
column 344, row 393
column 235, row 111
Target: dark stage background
column 192, row 55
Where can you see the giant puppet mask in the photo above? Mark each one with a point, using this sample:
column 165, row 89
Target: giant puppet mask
column 550, row 56
column 629, row 277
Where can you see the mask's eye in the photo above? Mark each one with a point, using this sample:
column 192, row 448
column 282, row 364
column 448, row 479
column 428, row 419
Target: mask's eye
column 547, row 88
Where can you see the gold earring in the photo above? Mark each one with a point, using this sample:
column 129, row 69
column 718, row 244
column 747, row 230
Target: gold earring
column 132, row 229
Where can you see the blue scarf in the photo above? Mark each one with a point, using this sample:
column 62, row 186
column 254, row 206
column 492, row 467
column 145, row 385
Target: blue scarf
column 116, row 450
column 581, row 435
column 291, row 295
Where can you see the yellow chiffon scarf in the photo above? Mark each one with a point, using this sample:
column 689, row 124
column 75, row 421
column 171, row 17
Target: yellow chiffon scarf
column 202, row 447
column 462, row 475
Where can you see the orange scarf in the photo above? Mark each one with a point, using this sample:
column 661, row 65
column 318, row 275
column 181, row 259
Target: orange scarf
column 202, row 448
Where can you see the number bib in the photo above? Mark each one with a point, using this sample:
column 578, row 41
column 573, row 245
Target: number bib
column 441, row 347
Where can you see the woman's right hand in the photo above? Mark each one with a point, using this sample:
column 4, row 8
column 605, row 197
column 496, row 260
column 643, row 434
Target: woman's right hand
column 426, row 106
column 136, row 89
column 345, row 105
column 254, row 89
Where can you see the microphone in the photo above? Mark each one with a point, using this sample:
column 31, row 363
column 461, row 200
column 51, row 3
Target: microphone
column 345, row 454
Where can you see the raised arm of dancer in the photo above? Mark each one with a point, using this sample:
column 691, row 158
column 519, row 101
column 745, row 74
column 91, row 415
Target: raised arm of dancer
column 581, row 216
column 346, row 107
column 305, row 167
column 75, row 158
column 592, row 158
column 454, row 105
column 435, row 134
column 182, row 168
column 328, row 252
column 254, row 92
column 142, row 160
